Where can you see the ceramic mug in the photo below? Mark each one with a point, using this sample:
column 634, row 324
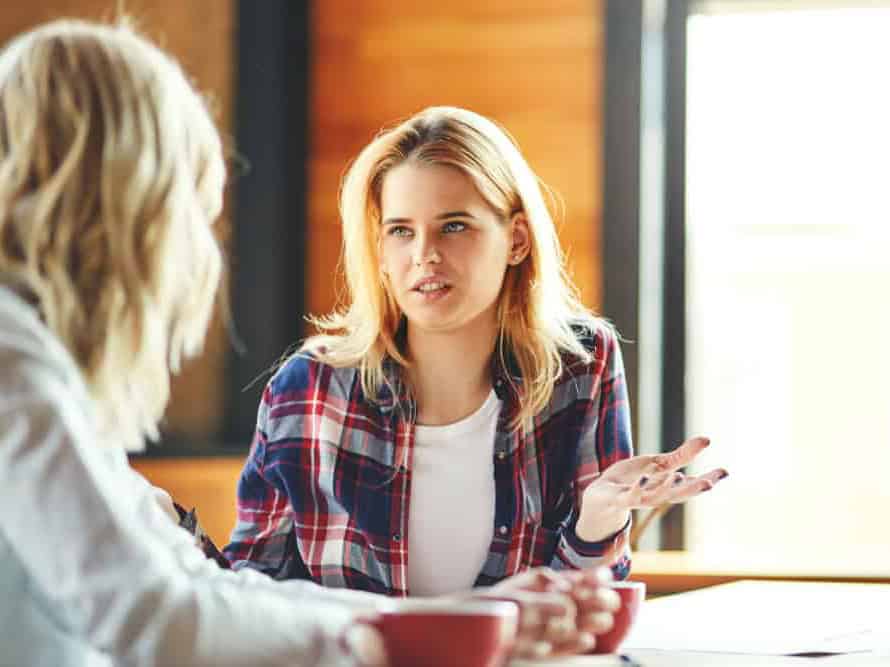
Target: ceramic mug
column 472, row 633
column 632, row 594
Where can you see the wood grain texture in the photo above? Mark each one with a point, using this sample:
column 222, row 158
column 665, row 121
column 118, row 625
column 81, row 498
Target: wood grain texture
column 534, row 66
column 199, row 33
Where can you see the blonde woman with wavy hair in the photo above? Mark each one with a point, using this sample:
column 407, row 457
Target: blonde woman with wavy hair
column 111, row 174
column 464, row 418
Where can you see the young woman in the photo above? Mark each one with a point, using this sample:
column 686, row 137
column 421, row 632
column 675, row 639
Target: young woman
column 465, row 418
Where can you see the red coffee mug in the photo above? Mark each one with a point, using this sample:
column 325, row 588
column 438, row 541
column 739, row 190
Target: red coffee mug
column 632, row 594
column 472, row 633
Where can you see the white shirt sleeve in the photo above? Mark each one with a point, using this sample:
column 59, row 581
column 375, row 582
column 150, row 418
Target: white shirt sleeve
column 96, row 542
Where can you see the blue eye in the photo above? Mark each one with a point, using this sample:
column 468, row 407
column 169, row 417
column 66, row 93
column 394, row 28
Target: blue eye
column 398, row 230
column 450, row 227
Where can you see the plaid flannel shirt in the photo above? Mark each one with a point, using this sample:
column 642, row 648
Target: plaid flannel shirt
column 326, row 488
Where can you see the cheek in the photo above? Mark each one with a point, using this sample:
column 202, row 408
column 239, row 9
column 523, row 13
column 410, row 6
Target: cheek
column 394, row 257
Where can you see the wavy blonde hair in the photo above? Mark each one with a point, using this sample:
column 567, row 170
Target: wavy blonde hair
column 538, row 303
column 111, row 172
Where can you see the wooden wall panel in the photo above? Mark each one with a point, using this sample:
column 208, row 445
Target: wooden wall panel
column 533, row 65
column 199, row 34
column 206, row 484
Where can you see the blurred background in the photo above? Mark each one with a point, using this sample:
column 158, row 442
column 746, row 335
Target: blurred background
column 721, row 167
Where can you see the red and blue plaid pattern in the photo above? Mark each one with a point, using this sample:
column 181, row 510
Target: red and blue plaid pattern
column 326, row 489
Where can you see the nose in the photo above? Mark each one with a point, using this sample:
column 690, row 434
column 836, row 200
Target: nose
column 425, row 252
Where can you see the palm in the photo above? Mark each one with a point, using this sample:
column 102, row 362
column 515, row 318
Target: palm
column 651, row 480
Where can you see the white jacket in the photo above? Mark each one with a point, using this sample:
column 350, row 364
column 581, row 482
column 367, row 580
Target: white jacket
column 93, row 571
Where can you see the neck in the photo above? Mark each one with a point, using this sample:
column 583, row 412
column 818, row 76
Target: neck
column 450, row 373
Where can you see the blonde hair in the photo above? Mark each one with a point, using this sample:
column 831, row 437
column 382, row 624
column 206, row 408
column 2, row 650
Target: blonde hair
column 111, row 172
column 538, row 303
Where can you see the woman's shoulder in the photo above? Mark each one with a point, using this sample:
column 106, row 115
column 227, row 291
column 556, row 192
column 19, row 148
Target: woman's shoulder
column 28, row 349
column 305, row 370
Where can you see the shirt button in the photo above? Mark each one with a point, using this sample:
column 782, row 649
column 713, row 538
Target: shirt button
column 503, row 530
column 502, row 455
column 396, row 537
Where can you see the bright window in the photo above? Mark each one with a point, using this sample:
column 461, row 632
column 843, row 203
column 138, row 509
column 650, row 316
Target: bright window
column 788, row 280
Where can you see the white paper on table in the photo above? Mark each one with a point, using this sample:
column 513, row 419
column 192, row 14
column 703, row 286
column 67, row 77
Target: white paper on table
column 572, row 661
column 767, row 618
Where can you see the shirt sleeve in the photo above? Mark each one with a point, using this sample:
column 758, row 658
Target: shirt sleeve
column 263, row 536
column 605, row 438
column 96, row 543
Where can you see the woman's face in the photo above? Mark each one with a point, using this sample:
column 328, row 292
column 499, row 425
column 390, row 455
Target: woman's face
column 443, row 250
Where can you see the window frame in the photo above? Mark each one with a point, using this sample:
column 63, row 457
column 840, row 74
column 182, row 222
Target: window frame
column 645, row 92
column 268, row 173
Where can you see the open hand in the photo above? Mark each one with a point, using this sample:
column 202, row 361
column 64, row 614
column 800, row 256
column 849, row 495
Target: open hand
column 639, row 482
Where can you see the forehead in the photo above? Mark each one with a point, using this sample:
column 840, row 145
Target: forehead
column 413, row 188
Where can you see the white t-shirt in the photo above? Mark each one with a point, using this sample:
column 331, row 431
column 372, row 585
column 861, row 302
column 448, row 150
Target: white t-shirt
column 451, row 517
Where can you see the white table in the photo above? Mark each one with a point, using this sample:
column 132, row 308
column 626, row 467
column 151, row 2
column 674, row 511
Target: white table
column 756, row 623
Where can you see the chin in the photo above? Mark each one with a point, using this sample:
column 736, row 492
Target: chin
column 433, row 325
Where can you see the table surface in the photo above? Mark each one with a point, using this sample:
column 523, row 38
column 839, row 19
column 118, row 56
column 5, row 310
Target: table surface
column 652, row 658
column 724, row 626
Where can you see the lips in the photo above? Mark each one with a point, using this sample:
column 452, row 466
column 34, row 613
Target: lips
column 430, row 284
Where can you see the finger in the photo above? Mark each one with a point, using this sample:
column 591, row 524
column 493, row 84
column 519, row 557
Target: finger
column 632, row 494
column 597, row 622
column 659, row 494
column 532, row 649
column 590, row 595
column 715, row 475
column 545, row 619
column 682, row 455
column 584, row 642
column 655, row 481
column 592, row 578
column 542, row 579
column 560, row 629
column 693, row 486
column 536, row 611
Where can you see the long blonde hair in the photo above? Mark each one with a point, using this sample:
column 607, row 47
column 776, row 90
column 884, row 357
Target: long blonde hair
column 538, row 302
column 111, row 172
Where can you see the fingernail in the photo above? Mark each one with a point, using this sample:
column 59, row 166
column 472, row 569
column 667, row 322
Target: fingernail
column 587, row 641
column 584, row 593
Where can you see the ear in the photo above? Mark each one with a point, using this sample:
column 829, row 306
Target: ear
column 520, row 243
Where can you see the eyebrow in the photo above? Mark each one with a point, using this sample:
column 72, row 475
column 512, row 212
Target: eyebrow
column 442, row 216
